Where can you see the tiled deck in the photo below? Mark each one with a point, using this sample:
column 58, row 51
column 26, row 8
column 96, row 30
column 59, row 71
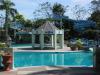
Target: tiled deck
column 47, row 70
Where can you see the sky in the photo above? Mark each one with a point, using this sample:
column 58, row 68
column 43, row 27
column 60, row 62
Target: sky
column 27, row 7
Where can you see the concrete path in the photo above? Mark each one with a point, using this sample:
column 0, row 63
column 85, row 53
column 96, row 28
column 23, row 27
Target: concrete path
column 52, row 70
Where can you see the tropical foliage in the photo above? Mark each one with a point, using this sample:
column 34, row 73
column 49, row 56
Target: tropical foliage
column 10, row 11
column 95, row 16
column 58, row 9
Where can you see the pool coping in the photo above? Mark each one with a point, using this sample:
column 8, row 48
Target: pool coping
column 48, row 51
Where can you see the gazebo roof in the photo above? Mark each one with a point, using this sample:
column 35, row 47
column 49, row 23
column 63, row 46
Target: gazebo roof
column 48, row 27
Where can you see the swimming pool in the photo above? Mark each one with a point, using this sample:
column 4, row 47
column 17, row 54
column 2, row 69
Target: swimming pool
column 26, row 59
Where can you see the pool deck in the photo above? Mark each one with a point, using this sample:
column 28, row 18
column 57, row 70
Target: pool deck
column 51, row 70
column 65, row 49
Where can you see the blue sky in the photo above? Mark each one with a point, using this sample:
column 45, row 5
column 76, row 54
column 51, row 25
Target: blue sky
column 26, row 7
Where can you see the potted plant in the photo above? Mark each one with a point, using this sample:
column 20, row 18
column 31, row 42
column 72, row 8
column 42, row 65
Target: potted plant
column 1, row 65
column 6, row 56
column 79, row 44
column 7, row 61
column 74, row 47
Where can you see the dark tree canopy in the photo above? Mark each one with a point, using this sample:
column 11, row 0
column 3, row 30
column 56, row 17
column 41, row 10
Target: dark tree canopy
column 58, row 9
column 10, row 11
column 95, row 16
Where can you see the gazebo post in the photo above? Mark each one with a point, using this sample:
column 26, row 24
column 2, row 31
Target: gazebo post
column 33, row 39
column 55, row 40
column 52, row 40
column 42, row 39
column 62, row 39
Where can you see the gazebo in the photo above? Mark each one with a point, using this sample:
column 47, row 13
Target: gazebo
column 54, row 34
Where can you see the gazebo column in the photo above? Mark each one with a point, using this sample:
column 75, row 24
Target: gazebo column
column 62, row 39
column 33, row 39
column 55, row 41
column 52, row 39
column 42, row 40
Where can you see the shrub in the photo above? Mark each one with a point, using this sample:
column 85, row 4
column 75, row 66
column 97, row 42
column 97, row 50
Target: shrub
column 79, row 44
column 2, row 45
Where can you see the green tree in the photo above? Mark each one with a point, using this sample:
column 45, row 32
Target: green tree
column 28, row 23
column 44, row 10
column 68, row 26
column 79, row 12
column 95, row 5
column 38, row 22
column 47, row 10
column 58, row 9
column 7, row 5
column 90, row 33
column 95, row 16
column 20, row 18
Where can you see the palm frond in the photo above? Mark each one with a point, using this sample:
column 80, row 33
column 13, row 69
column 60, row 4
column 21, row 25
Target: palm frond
column 2, row 7
column 13, row 13
column 14, row 10
column 12, row 4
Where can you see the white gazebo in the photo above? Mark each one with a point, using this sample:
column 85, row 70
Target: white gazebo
column 54, row 34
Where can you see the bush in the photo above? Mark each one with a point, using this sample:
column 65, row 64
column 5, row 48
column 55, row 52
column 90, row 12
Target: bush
column 90, row 34
column 3, row 45
column 79, row 44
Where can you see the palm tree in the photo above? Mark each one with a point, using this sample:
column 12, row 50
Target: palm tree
column 7, row 5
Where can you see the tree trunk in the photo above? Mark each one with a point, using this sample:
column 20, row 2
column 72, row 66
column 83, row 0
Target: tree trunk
column 6, row 24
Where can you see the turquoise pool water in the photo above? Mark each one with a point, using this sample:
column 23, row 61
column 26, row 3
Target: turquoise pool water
column 26, row 59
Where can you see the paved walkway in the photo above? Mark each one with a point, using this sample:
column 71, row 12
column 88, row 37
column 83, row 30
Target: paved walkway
column 51, row 70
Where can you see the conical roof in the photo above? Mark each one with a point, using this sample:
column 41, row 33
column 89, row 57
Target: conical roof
column 48, row 27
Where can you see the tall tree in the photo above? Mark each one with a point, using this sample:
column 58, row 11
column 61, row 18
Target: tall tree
column 96, row 5
column 19, row 18
column 95, row 16
column 8, row 6
column 79, row 12
column 48, row 11
column 44, row 10
column 58, row 9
